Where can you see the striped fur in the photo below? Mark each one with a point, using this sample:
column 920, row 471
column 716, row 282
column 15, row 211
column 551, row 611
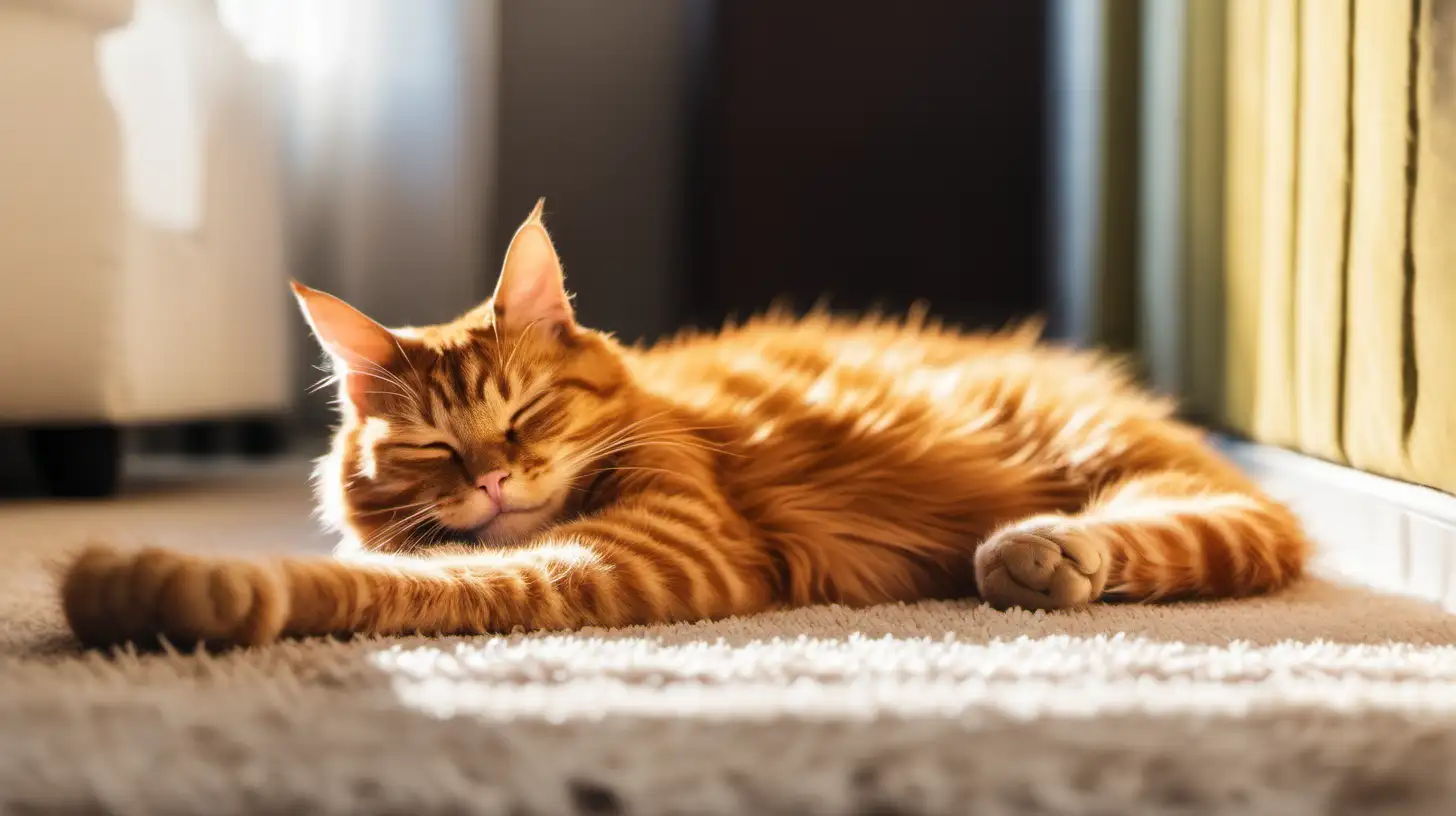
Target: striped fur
column 779, row 463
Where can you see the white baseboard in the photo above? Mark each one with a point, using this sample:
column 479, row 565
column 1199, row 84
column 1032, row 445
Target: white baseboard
column 1390, row 535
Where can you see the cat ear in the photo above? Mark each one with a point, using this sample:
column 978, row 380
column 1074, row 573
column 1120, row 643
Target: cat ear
column 346, row 333
column 356, row 343
column 532, row 290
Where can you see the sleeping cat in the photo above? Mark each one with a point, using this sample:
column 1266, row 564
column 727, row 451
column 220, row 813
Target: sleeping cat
column 512, row 469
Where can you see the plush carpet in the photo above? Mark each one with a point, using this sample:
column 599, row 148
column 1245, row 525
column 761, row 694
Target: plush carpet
column 1327, row 698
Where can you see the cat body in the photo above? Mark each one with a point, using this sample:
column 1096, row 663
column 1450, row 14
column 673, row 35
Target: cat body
column 511, row 469
column 868, row 458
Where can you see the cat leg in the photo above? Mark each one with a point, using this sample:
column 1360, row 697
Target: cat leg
column 662, row 560
column 112, row 597
column 1149, row 536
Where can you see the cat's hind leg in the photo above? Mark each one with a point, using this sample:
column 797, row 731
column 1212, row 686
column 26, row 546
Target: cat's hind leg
column 1148, row 536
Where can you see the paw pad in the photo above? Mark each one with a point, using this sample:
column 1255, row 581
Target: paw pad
column 1041, row 566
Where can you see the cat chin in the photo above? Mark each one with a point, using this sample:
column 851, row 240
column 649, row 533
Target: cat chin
column 509, row 528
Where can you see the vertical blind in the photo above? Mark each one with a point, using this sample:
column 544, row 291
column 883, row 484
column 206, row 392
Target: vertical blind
column 1293, row 180
column 1341, row 231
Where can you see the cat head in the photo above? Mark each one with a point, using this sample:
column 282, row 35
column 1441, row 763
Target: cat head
column 481, row 430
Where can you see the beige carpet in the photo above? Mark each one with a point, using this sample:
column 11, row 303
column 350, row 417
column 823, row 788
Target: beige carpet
column 1326, row 699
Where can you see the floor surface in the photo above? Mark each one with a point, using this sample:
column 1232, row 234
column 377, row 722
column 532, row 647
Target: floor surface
column 1328, row 697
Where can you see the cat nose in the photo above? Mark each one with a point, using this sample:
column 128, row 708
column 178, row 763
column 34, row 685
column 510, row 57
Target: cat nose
column 491, row 483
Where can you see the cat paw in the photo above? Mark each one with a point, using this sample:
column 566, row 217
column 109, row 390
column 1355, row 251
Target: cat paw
column 112, row 597
column 1045, row 564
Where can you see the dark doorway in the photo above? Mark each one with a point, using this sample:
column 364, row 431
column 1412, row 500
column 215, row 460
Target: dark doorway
column 876, row 153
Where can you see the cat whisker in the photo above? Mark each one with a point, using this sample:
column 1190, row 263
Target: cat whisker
column 409, row 546
column 517, row 345
column 407, row 360
column 380, row 372
column 395, row 526
column 393, row 509
column 430, row 533
column 632, row 445
column 667, row 440
column 388, row 394
column 627, row 431
column 682, row 437
column 408, row 393
column 497, row 349
column 617, row 468
column 406, row 547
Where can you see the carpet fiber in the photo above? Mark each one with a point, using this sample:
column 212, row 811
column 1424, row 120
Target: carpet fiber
column 1326, row 698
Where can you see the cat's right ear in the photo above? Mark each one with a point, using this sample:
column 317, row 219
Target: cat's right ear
column 346, row 333
column 351, row 338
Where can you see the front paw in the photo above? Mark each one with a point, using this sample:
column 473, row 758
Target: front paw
column 1042, row 564
column 112, row 597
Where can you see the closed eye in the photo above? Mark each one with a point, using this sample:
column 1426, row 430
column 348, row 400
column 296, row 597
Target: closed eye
column 442, row 447
column 446, row 448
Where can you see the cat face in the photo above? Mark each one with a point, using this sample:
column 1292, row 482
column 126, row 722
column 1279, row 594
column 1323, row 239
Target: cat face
column 483, row 430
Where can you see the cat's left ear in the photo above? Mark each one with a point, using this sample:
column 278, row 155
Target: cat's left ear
column 532, row 289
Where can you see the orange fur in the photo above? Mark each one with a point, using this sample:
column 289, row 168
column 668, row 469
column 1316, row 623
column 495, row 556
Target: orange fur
column 779, row 463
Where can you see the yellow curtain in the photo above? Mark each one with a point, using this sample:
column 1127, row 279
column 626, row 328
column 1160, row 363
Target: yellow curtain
column 1340, row 231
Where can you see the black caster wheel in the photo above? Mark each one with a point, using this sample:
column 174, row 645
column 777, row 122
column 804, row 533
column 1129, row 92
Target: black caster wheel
column 262, row 438
column 78, row 461
column 203, row 439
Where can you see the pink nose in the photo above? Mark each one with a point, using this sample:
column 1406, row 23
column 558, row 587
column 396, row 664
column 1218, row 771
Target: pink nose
column 491, row 483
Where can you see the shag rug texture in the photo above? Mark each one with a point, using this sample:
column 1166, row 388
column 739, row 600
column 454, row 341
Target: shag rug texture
column 1328, row 698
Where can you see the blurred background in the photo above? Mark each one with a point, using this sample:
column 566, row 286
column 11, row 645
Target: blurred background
column 1175, row 179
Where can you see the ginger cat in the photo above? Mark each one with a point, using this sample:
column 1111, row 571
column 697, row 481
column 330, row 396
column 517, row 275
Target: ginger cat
column 514, row 469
